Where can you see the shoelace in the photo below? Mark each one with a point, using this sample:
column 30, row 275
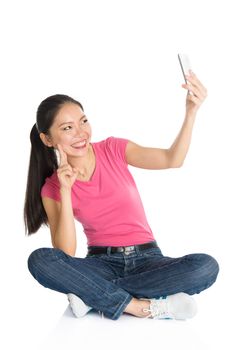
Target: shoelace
column 101, row 314
column 158, row 309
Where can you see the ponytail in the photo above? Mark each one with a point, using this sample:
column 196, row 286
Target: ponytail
column 42, row 164
column 43, row 161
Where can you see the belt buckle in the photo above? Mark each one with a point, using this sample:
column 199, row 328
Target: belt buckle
column 129, row 249
column 120, row 249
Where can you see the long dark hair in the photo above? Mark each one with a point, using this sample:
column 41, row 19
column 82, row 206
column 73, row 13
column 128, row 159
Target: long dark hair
column 43, row 161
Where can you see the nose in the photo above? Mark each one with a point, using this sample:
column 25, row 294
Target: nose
column 78, row 131
column 79, row 135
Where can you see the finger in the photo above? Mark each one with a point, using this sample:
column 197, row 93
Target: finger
column 62, row 155
column 66, row 172
column 195, row 100
column 192, row 76
column 194, row 90
column 195, row 81
column 74, row 172
column 65, row 167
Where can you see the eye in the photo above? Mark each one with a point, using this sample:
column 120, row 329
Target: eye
column 84, row 120
column 67, row 128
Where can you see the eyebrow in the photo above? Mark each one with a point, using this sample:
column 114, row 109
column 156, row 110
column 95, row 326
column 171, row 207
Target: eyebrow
column 83, row 116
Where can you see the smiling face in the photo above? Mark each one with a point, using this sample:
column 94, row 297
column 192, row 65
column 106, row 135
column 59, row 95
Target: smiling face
column 71, row 130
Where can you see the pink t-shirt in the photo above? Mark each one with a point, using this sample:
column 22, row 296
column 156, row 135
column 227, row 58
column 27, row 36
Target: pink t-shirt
column 108, row 205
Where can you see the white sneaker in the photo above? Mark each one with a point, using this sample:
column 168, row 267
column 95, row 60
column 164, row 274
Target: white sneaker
column 178, row 306
column 77, row 305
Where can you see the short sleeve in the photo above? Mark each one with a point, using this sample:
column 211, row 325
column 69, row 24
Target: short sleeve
column 51, row 188
column 117, row 147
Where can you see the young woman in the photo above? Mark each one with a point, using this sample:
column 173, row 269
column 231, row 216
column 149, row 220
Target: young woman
column 124, row 269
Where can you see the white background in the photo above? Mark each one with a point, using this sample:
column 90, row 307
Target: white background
column 119, row 59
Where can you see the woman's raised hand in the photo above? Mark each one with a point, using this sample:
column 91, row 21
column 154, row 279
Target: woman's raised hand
column 199, row 93
column 66, row 174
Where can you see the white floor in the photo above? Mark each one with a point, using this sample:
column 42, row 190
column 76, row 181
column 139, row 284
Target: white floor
column 128, row 331
column 210, row 329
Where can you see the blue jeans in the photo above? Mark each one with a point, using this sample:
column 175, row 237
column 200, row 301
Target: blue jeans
column 108, row 282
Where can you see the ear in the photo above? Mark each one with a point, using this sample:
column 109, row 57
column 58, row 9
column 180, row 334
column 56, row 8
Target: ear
column 46, row 140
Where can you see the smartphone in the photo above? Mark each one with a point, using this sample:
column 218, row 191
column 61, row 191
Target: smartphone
column 185, row 66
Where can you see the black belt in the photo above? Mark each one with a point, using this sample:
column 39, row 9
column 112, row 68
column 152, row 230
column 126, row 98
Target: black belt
column 127, row 249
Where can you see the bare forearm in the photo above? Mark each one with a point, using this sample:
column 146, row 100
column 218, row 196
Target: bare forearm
column 179, row 148
column 65, row 236
column 194, row 99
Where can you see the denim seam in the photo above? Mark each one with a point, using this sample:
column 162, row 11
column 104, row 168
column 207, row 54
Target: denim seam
column 83, row 278
column 38, row 269
column 86, row 278
column 158, row 268
column 122, row 307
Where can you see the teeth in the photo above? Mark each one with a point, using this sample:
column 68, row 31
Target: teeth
column 79, row 144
